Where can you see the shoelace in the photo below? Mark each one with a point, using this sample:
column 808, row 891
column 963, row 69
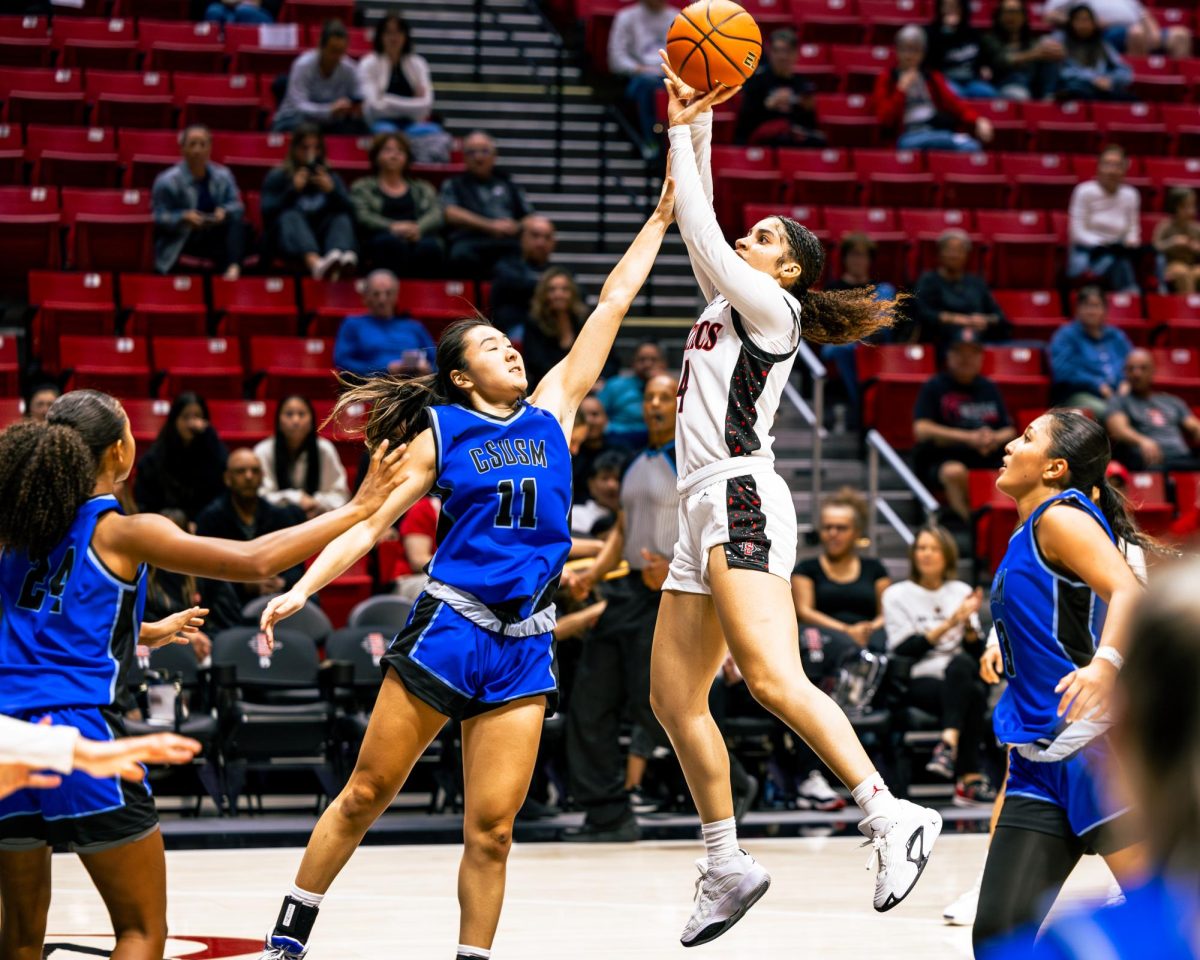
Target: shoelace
column 703, row 903
column 878, row 845
column 277, row 953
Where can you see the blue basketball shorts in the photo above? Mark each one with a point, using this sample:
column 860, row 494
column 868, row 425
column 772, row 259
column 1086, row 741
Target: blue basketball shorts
column 463, row 670
column 83, row 813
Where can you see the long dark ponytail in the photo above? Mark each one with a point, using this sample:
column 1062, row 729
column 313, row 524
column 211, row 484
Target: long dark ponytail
column 398, row 403
column 48, row 470
column 831, row 316
column 1083, row 443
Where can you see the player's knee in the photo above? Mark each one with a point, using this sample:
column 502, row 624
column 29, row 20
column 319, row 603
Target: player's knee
column 490, row 838
column 664, row 705
column 768, row 689
column 365, row 797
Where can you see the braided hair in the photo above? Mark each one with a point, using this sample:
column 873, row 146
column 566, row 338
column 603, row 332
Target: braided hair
column 831, row 316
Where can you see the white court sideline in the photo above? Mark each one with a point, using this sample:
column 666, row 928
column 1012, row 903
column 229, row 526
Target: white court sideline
column 586, row 903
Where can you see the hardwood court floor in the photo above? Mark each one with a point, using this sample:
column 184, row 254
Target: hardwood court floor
column 564, row 901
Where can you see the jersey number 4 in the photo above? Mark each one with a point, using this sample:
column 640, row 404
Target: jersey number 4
column 528, row 517
column 38, row 584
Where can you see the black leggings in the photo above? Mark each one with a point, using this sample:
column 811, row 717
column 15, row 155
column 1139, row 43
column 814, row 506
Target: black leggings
column 959, row 700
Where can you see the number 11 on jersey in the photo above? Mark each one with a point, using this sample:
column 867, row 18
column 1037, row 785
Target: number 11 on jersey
column 528, row 515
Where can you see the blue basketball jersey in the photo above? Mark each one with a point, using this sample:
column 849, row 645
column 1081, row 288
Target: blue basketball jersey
column 503, row 534
column 1047, row 625
column 68, row 625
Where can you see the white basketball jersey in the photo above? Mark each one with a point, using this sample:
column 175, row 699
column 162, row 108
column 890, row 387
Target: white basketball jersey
column 729, row 389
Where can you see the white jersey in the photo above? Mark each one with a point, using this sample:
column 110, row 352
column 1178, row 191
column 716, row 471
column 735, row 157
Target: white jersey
column 740, row 352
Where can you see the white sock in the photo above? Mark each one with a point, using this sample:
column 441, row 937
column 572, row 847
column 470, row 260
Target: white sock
column 874, row 797
column 720, row 840
column 480, row 952
column 311, row 899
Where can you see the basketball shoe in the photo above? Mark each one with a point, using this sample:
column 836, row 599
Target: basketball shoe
column 723, row 895
column 901, row 845
column 288, row 940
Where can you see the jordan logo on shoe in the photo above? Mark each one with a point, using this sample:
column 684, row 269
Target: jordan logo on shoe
column 922, row 858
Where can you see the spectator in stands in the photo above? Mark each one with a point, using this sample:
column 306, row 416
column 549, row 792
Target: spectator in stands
column 556, row 315
column 953, row 49
column 639, row 31
column 1128, row 26
column 198, row 210
column 39, row 399
column 915, row 104
column 1105, row 225
column 622, row 396
column 595, row 516
column 380, row 340
column 238, row 11
column 417, row 533
column 1090, row 69
column 484, row 210
column 306, row 209
column 1014, row 61
column 241, row 514
column 515, row 278
column 1151, row 430
column 183, row 467
column 1087, row 356
column 949, row 299
column 857, row 254
column 591, row 445
column 1177, row 240
column 396, row 87
column 400, row 217
column 322, row 88
column 299, row 467
column 960, row 424
column 778, row 108
column 932, row 622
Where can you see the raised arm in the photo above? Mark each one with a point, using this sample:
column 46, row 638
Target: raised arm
column 354, row 543
column 153, row 539
column 568, row 382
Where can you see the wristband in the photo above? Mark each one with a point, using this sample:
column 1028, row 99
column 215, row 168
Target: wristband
column 1111, row 655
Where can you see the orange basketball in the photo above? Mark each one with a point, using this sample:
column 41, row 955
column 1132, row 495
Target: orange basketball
column 714, row 41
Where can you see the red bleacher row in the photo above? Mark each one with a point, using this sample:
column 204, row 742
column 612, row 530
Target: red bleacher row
column 839, row 22
column 140, row 305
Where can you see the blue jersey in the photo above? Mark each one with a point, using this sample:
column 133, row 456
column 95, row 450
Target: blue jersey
column 503, row 534
column 68, row 625
column 1047, row 625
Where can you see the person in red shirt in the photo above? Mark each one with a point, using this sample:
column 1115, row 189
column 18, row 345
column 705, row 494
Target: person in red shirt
column 418, row 538
column 917, row 106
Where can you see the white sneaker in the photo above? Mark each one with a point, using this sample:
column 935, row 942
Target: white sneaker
column 961, row 913
column 322, row 267
column 902, row 845
column 723, row 895
column 348, row 261
column 815, row 793
column 282, row 948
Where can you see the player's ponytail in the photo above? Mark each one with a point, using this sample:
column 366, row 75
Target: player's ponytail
column 47, row 473
column 1083, row 443
column 831, row 316
column 398, row 403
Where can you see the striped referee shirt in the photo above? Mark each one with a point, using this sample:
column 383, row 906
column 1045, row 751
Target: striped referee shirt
column 650, row 500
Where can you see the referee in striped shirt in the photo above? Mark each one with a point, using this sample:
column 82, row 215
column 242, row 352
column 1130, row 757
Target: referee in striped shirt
column 614, row 671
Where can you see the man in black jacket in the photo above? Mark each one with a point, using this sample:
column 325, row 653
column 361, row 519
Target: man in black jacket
column 778, row 108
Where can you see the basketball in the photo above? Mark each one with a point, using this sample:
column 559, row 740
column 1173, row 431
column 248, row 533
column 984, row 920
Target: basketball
column 712, row 42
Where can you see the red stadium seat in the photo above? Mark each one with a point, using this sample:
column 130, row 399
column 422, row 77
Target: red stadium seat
column 346, row 592
column 813, row 63
column 159, row 306
column 1034, row 314
column 227, row 101
column 256, row 306
column 30, row 226
column 242, row 423
column 1022, row 249
column 146, row 417
column 12, row 154
column 859, row 67
column 328, row 303
column 146, row 153
column 819, row 176
column 884, row 18
column 109, row 229
column 25, row 41
column 446, row 300
column 130, row 99
column 828, row 21
column 879, row 223
column 1183, row 127
column 290, row 365
column 316, row 11
column 268, row 50
column 345, row 433
column 41, row 96
column 95, row 43
column 348, row 156
column 969, row 180
column 1043, row 181
column 10, row 369
column 811, row 217
column 1173, row 171
column 1138, row 127
column 848, row 120
column 1177, row 370
column 1065, row 127
column 69, row 303
column 176, row 45
column 1179, row 314
column 116, row 365
column 72, row 156
column 892, row 376
column 1011, row 133
column 1017, row 371
column 995, row 516
column 895, row 178
column 12, row 409
column 210, row 366
column 735, row 188
column 250, row 155
column 925, row 226
column 1156, row 78
column 1147, row 493
column 1125, row 311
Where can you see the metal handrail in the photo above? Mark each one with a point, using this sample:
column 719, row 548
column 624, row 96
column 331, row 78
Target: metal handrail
column 813, row 415
column 878, row 447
